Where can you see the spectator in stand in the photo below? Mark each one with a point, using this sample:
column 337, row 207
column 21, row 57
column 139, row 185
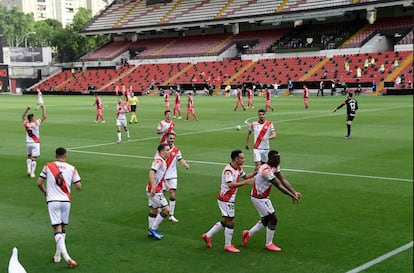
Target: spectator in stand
column 366, row 64
column 359, row 72
column 397, row 82
column 346, row 66
column 382, row 68
column 410, row 84
column 372, row 62
column 374, row 87
column 396, row 64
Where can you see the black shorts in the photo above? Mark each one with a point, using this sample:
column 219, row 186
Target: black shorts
column 349, row 118
column 133, row 108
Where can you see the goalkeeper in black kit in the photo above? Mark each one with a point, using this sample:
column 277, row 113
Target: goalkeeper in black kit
column 351, row 108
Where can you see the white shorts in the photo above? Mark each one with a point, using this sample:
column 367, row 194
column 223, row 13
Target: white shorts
column 157, row 201
column 33, row 149
column 172, row 183
column 226, row 208
column 260, row 155
column 59, row 212
column 121, row 122
column 263, row 206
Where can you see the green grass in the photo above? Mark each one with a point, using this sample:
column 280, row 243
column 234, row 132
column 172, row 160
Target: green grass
column 356, row 205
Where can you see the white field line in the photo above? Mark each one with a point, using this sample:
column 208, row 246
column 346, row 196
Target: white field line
column 381, row 258
column 222, row 164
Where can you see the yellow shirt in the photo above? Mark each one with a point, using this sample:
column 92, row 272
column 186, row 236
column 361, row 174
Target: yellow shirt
column 133, row 101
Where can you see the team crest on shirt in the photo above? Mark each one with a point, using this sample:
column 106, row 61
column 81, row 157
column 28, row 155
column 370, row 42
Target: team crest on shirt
column 173, row 154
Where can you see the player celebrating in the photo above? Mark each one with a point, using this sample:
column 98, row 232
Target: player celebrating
column 177, row 107
column 121, row 111
column 171, row 173
column 40, row 101
column 268, row 174
column 154, row 189
column 239, row 100
column 99, row 108
column 32, row 138
column 263, row 132
column 190, row 108
column 226, row 197
column 59, row 176
column 165, row 126
column 351, row 107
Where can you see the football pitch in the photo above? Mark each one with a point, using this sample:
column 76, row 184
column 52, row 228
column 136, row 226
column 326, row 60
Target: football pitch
column 355, row 215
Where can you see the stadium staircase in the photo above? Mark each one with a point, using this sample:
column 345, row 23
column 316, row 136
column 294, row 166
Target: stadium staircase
column 223, row 9
column 235, row 76
column 353, row 37
column 182, row 71
column 281, row 6
column 117, row 23
column 314, row 70
column 397, row 71
column 164, row 18
column 120, row 76
column 155, row 53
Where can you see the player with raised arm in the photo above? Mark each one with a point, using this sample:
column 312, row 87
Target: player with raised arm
column 263, row 131
column 32, row 138
column 351, row 108
column 165, row 126
column 268, row 174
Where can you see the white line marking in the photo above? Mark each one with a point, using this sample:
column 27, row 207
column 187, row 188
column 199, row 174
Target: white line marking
column 381, row 258
column 221, row 164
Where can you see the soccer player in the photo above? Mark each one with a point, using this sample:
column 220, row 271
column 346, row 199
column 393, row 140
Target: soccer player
column 250, row 96
column 239, row 100
column 171, row 173
column 177, row 106
column 306, row 96
column 167, row 100
column 154, row 189
column 230, row 182
column 99, row 108
column 190, row 108
column 32, row 138
column 268, row 174
column 59, row 176
column 134, row 103
column 268, row 95
column 40, row 101
column 263, row 132
column 121, row 111
column 165, row 126
column 351, row 108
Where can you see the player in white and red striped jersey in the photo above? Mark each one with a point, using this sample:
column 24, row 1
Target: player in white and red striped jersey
column 121, row 110
column 230, row 181
column 268, row 174
column 154, row 189
column 177, row 105
column 165, row 126
column 171, row 177
column 264, row 131
column 32, row 138
column 59, row 176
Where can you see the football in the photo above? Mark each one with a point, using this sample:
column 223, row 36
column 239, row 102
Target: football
column 238, row 127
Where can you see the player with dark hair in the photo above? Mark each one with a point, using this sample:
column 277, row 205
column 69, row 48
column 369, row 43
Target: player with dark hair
column 268, row 174
column 351, row 108
column 59, row 176
column 226, row 198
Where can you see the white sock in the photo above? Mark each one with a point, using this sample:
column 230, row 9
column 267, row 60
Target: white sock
column 119, row 136
column 33, row 166
column 269, row 235
column 61, row 246
column 228, row 235
column 127, row 133
column 158, row 220
column 259, row 226
column 29, row 165
column 58, row 253
column 150, row 220
column 172, row 207
column 216, row 228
